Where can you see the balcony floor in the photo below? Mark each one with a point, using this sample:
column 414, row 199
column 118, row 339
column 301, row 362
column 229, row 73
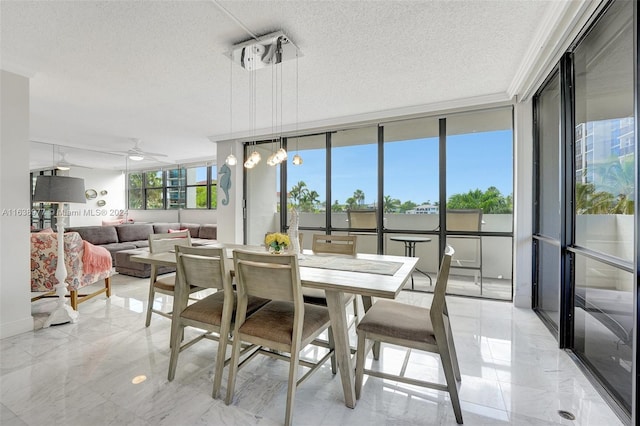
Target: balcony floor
column 461, row 285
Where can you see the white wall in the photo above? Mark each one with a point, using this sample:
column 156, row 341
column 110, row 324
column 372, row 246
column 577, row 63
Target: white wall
column 15, row 303
column 229, row 217
column 113, row 182
column 198, row 216
column 523, row 204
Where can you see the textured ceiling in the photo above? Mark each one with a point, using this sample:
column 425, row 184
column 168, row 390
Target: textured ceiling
column 104, row 72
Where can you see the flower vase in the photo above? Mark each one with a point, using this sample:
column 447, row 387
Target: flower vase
column 276, row 250
column 293, row 232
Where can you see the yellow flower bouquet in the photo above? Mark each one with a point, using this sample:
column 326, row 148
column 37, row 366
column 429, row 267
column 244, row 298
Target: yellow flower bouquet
column 277, row 242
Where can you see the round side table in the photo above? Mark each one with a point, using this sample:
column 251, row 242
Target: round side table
column 410, row 251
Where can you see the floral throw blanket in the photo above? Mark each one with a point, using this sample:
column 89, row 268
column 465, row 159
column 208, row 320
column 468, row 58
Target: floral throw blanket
column 44, row 260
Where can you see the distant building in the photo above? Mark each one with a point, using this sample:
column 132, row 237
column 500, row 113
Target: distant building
column 424, row 209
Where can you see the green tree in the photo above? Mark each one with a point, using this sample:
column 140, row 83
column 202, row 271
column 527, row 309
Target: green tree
column 337, row 207
column 358, row 196
column 490, row 201
column 351, row 203
column 201, row 197
column 617, row 178
column 391, row 205
column 303, row 198
column 407, row 205
column 588, row 201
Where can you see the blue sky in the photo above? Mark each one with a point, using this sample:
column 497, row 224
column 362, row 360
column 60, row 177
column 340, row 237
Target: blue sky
column 475, row 161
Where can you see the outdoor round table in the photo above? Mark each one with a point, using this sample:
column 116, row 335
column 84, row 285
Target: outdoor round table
column 410, row 250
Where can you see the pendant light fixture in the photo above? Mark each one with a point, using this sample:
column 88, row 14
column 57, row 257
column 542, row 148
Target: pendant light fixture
column 231, row 159
column 297, row 160
column 261, row 52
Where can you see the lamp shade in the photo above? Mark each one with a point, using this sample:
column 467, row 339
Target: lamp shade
column 59, row 189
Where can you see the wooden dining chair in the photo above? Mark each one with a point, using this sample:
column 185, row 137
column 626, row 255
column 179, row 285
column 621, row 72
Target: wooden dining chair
column 204, row 267
column 161, row 243
column 414, row 327
column 332, row 244
column 336, row 244
column 284, row 325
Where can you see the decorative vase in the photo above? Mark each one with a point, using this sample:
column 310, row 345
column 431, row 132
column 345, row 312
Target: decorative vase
column 293, row 232
column 276, row 250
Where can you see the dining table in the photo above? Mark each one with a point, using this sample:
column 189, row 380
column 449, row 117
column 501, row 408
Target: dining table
column 366, row 275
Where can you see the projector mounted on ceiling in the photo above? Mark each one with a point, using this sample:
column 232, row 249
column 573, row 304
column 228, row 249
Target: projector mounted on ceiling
column 268, row 50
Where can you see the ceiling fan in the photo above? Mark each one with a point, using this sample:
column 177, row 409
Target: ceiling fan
column 137, row 154
column 63, row 163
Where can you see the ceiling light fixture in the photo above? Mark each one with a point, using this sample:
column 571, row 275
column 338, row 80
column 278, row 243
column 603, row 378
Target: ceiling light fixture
column 63, row 164
column 262, row 52
column 231, row 159
column 136, row 157
column 297, row 160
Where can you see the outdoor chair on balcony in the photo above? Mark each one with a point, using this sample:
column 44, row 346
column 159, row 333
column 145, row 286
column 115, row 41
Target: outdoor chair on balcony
column 468, row 247
column 363, row 223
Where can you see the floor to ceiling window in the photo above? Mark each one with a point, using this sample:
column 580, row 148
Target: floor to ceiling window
column 604, row 199
column 479, row 193
column 354, row 179
column 411, row 192
column 392, row 171
column 596, row 188
column 307, row 183
column 547, row 226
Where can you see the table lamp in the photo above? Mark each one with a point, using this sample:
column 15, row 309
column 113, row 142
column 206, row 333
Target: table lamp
column 59, row 190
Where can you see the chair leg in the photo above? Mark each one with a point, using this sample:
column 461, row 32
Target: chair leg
column 74, row 299
column 233, row 368
column 107, row 285
column 177, row 330
column 367, row 302
column 453, row 354
column 220, row 357
column 332, row 345
column 291, row 388
column 361, row 356
column 449, row 375
column 356, row 316
column 152, row 294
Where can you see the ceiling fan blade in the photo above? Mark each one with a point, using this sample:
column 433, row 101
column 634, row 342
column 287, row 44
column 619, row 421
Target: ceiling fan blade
column 153, row 154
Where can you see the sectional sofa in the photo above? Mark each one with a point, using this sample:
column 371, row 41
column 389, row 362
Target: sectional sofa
column 122, row 241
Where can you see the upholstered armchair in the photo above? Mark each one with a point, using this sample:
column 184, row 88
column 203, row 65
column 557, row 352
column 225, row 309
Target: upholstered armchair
column 86, row 264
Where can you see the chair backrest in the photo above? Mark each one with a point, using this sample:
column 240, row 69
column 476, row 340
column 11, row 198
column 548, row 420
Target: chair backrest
column 438, row 304
column 159, row 243
column 337, row 244
column 204, row 267
column 269, row 276
column 464, row 220
column 363, row 219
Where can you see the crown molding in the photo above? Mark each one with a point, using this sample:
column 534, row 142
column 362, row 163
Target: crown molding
column 560, row 26
column 359, row 120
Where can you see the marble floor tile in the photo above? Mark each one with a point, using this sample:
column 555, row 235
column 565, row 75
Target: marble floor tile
column 109, row 369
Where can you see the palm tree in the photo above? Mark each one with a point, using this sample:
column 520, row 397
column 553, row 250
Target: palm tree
column 351, row 203
column 358, row 195
column 616, row 177
column 391, row 205
column 297, row 192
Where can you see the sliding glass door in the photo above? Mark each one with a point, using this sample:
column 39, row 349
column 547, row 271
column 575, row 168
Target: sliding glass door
column 585, row 245
column 546, row 231
column 605, row 200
